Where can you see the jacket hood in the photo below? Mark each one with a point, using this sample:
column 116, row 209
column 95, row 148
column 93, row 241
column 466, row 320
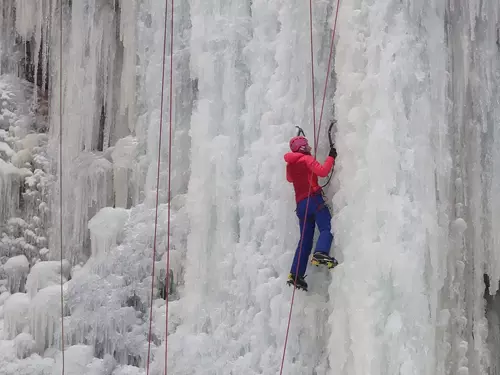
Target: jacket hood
column 293, row 157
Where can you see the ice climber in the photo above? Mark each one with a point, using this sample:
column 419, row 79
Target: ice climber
column 302, row 170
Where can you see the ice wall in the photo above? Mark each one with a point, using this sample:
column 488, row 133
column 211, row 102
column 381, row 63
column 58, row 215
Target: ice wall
column 14, row 124
column 473, row 125
column 90, row 63
column 252, row 89
column 417, row 107
column 392, row 196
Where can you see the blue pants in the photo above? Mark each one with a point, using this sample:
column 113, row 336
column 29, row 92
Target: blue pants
column 319, row 214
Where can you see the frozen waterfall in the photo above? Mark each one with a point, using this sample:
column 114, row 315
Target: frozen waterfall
column 415, row 193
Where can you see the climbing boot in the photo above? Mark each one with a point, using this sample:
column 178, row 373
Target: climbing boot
column 301, row 283
column 319, row 258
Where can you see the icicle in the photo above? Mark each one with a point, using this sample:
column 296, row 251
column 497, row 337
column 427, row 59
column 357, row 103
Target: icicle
column 128, row 78
column 45, row 316
column 26, row 17
column 124, row 164
column 17, row 269
column 45, row 274
column 106, row 229
column 89, row 105
column 15, row 315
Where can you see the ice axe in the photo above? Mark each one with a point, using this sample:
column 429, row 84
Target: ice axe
column 332, row 144
column 330, row 128
column 300, row 131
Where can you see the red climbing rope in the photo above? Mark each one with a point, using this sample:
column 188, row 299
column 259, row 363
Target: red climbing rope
column 167, row 283
column 158, row 190
column 315, row 150
column 332, row 43
column 61, row 179
column 312, row 77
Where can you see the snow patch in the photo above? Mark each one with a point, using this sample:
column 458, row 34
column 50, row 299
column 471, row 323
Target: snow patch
column 77, row 359
column 5, row 148
column 3, row 297
column 24, row 344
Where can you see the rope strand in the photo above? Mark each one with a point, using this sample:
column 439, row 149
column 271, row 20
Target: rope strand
column 157, row 188
column 167, row 283
column 312, row 75
column 61, row 177
column 332, row 43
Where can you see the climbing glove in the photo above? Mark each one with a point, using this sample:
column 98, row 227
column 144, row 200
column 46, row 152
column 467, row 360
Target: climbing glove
column 333, row 152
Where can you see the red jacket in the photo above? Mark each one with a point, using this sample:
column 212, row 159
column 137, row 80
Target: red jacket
column 303, row 170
